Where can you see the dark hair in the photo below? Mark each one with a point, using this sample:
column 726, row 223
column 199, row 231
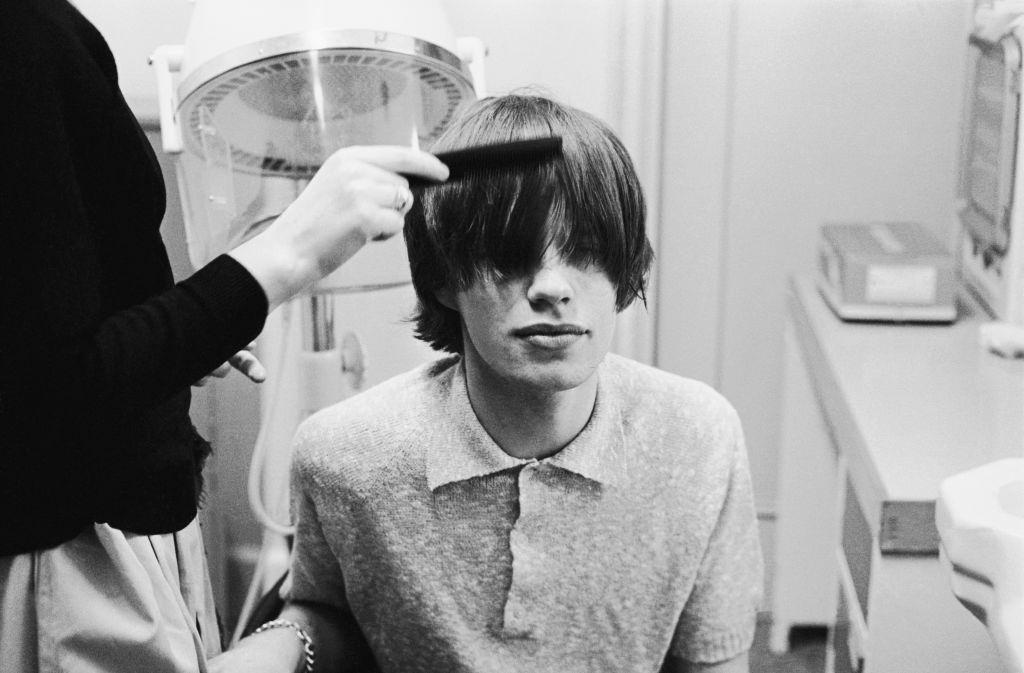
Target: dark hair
column 587, row 202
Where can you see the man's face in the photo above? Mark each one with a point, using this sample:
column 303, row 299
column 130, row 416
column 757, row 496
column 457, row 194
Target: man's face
column 544, row 331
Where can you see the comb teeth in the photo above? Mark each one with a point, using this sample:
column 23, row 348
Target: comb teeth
column 497, row 155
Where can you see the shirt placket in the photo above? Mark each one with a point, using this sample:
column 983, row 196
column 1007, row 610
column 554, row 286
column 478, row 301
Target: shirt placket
column 522, row 603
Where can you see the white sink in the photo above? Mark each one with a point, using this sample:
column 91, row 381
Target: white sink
column 980, row 518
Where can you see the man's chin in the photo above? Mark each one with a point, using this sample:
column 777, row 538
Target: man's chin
column 556, row 379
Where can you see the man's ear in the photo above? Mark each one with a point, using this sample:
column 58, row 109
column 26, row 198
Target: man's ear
column 447, row 298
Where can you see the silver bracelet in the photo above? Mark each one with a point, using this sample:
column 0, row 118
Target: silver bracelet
column 307, row 642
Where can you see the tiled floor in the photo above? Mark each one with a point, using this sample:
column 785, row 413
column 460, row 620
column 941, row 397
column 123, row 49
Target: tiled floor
column 806, row 652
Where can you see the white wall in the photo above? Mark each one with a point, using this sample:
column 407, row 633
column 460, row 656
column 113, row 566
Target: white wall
column 813, row 111
column 560, row 47
column 780, row 115
column 844, row 111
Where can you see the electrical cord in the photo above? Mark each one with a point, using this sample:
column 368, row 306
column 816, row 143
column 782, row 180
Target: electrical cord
column 257, row 470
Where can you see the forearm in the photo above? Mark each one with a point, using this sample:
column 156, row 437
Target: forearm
column 339, row 643
column 282, row 266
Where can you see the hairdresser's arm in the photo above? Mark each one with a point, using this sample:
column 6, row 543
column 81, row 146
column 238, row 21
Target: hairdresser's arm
column 338, row 645
column 350, row 200
column 738, row 664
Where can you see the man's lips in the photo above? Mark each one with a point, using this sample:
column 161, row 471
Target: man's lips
column 549, row 337
column 549, row 330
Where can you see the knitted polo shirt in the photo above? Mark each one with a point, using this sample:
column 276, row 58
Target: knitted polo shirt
column 636, row 540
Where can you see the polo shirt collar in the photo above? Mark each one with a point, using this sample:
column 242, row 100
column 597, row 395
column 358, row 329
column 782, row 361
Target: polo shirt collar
column 463, row 449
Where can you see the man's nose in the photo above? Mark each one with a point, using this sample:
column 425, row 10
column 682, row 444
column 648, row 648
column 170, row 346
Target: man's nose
column 550, row 285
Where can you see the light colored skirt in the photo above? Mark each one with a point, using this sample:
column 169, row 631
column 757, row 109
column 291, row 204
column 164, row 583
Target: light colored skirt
column 109, row 602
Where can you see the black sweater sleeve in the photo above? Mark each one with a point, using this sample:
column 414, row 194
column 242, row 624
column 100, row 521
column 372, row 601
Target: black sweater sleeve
column 98, row 348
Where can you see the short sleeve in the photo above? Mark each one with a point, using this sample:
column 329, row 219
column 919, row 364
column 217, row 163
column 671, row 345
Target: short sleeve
column 718, row 621
column 315, row 574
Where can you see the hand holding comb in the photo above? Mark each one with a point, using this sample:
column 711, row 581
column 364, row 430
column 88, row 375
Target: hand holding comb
column 462, row 162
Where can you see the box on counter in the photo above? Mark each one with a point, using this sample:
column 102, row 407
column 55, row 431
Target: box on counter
column 887, row 271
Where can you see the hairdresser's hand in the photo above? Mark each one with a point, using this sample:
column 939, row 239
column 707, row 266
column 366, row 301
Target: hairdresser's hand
column 357, row 195
column 244, row 361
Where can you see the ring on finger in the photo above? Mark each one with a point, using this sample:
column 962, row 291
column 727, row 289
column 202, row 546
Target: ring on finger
column 403, row 199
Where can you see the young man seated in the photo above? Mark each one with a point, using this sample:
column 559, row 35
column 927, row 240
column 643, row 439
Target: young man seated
column 529, row 502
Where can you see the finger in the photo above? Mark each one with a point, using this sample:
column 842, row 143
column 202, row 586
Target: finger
column 399, row 159
column 362, row 172
column 221, row 371
column 247, row 363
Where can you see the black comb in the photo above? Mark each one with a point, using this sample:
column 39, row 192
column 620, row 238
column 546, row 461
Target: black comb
column 498, row 155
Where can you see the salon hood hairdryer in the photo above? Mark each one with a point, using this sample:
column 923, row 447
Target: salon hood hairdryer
column 259, row 95
column 268, row 89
